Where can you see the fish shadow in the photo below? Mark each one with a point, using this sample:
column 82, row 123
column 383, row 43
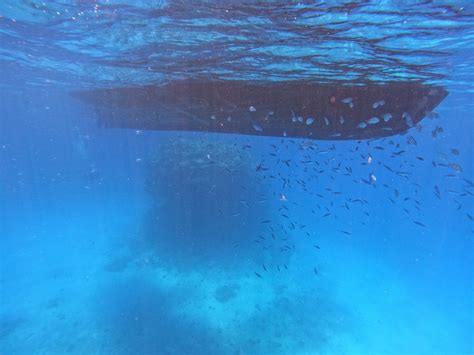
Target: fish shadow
column 139, row 318
column 9, row 324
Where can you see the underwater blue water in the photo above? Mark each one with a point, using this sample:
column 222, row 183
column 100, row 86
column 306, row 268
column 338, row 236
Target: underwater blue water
column 109, row 246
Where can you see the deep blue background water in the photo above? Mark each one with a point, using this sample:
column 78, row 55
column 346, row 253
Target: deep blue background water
column 77, row 272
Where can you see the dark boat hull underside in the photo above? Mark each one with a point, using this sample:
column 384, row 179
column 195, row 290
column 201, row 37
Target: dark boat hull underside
column 291, row 109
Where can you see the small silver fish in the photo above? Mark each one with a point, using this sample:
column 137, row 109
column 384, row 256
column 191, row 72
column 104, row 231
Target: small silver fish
column 269, row 114
column 252, row 109
column 362, row 125
column 408, row 120
column 326, row 121
column 373, row 178
column 293, row 117
column 309, row 120
column 455, row 167
column 387, row 117
column 379, row 103
column 373, row 120
column 347, row 100
column 257, row 127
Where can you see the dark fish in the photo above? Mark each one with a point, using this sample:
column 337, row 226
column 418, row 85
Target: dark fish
column 258, row 275
column 459, row 204
column 469, row 182
column 419, row 223
column 399, row 153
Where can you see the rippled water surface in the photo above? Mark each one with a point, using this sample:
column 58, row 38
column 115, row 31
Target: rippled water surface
column 111, row 43
column 128, row 241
